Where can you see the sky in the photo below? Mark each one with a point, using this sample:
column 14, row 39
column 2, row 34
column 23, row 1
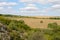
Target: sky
column 30, row 7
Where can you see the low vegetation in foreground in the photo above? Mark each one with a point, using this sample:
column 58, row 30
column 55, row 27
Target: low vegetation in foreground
column 18, row 30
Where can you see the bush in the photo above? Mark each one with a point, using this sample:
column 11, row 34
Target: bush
column 55, row 31
column 41, row 21
column 36, row 36
column 52, row 25
column 4, row 21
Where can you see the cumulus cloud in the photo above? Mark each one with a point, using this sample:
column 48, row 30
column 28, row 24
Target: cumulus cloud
column 1, row 8
column 2, row 0
column 8, row 3
column 55, row 9
column 8, row 10
column 32, row 1
column 6, row 7
column 41, row 1
column 31, row 10
column 56, row 6
column 29, row 7
column 11, row 3
column 9, row 7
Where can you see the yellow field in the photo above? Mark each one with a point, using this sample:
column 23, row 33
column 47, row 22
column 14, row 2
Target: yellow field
column 35, row 23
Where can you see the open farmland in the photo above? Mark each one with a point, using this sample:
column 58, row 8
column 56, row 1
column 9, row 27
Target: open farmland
column 36, row 22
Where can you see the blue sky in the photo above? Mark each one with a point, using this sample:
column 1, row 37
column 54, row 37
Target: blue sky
column 30, row 7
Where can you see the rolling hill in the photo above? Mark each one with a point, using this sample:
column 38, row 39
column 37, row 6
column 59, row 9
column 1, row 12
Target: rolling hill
column 35, row 22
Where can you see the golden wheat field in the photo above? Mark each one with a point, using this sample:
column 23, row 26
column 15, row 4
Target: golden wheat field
column 35, row 22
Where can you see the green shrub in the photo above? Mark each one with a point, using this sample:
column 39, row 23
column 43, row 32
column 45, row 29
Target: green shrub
column 36, row 36
column 55, row 31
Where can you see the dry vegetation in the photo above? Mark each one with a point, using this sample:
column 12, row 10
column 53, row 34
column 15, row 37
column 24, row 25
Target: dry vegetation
column 36, row 22
column 29, row 28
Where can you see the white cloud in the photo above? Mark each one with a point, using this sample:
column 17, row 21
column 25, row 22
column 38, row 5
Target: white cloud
column 53, row 1
column 41, row 1
column 8, row 10
column 8, row 3
column 31, row 1
column 9, row 7
column 6, row 7
column 11, row 4
column 24, row 0
column 2, row 3
column 1, row 8
column 55, row 9
column 29, row 7
column 2, row 0
column 31, row 10
column 56, row 6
